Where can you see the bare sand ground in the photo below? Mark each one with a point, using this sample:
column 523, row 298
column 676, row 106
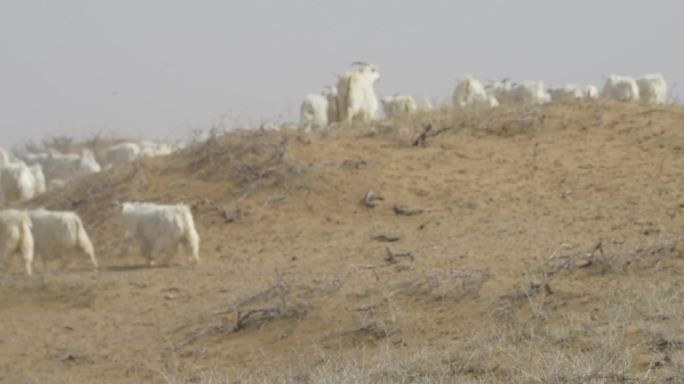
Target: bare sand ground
column 539, row 245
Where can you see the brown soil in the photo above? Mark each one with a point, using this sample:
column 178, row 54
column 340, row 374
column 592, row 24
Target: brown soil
column 509, row 206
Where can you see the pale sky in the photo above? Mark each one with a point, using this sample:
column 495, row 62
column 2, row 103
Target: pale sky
column 161, row 68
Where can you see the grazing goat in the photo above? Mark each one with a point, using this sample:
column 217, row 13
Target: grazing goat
column 161, row 228
column 591, row 92
column 652, row 88
column 313, row 113
column 470, row 92
column 620, row 88
column 16, row 238
column 399, row 105
column 17, row 183
column 120, row 154
column 57, row 233
column 154, row 149
column 566, row 94
column 500, row 90
column 529, row 93
column 65, row 166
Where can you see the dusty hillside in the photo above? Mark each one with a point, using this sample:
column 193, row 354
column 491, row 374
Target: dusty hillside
column 537, row 245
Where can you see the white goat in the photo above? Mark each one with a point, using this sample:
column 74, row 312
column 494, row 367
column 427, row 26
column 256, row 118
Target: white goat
column 652, row 88
column 120, row 154
column 566, row 94
column 591, row 92
column 161, row 228
column 425, row 105
column 154, row 149
column 17, row 183
column 470, row 92
column 313, row 113
column 500, row 91
column 58, row 233
column 4, row 157
column 16, row 238
column 35, row 158
column 621, row 88
column 68, row 166
column 38, row 178
column 529, row 93
column 333, row 112
column 399, row 105
column 270, row 126
column 356, row 95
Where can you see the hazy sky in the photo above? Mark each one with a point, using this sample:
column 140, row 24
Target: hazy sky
column 160, row 68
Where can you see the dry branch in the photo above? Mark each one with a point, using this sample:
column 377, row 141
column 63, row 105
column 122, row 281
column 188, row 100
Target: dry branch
column 353, row 164
column 385, row 238
column 421, row 140
column 192, row 338
column 401, row 209
column 598, row 249
column 393, row 258
column 267, row 314
column 278, row 291
column 271, row 200
column 369, row 199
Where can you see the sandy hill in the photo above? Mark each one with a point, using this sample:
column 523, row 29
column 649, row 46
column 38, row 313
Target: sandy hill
column 538, row 245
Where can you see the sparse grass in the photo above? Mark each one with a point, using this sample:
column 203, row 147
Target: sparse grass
column 576, row 347
column 483, row 359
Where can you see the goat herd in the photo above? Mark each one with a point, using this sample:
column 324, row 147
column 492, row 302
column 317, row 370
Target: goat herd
column 354, row 98
column 166, row 228
column 57, row 234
